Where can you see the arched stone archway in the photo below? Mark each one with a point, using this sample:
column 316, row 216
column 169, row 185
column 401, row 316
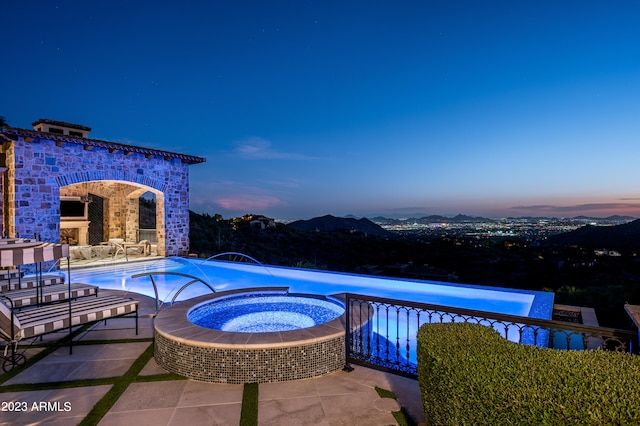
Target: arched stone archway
column 120, row 208
column 40, row 167
column 112, row 175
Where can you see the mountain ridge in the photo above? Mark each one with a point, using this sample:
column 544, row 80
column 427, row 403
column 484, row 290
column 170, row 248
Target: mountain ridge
column 332, row 223
column 466, row 218
column 624, row 237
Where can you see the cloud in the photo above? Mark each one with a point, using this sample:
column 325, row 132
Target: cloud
column 407, row 209
column 248, row 202
column 260, row 149
column 281, row 183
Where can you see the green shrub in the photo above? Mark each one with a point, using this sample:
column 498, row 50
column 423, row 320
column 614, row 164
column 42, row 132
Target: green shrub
column 469, row 374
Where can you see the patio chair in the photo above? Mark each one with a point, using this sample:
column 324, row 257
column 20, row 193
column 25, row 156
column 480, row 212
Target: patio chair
column 143, row 247
column 24, row 282
column 41, row 289
column 16, row 325
column 47, row 294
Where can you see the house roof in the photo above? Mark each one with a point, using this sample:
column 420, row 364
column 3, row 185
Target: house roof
column 61, row 124
column 14, row 133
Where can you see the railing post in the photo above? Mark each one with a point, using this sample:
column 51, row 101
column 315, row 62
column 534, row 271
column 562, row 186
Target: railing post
column 347, row 334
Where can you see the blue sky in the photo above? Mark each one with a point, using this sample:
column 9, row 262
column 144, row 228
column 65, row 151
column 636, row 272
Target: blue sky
column 306, row 108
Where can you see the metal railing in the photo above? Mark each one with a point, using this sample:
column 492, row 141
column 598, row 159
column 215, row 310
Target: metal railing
column 382, row 333
column 234, row 256
column 159, row 302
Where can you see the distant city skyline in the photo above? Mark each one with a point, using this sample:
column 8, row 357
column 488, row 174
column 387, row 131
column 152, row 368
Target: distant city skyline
column 302, row 109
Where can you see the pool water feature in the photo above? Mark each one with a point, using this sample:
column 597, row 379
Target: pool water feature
column 264, row 312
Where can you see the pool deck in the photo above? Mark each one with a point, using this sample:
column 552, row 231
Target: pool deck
column 109, row 351
column 108, row 260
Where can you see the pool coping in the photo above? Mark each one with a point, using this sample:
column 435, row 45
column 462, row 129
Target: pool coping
column 172, row 322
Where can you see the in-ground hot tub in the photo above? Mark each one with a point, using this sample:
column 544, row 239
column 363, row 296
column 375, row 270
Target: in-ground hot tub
column 254, row 335
column 263, row 312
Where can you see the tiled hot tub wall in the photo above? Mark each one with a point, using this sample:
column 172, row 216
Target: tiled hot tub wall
column 225, row 365
column 208, row 355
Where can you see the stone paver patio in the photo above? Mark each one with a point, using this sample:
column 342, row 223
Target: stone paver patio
column 107, row 352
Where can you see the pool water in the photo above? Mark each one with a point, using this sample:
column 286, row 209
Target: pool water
column 259, row 313
column 231, row 276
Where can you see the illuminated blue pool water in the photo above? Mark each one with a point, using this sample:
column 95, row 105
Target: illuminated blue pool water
column 230, row 276
column 261, row 313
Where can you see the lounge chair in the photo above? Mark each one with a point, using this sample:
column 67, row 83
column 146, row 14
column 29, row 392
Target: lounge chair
column 16, row 325
column 8, row 274
column 41, row 289
column 19, row 321
column 22, row 282
column 143, row 247
column 47, row 294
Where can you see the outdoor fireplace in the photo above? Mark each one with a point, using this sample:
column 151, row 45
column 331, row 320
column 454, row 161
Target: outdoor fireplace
column 73, row 220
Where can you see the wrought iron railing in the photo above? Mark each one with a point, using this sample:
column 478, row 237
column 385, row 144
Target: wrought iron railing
column 382, row 332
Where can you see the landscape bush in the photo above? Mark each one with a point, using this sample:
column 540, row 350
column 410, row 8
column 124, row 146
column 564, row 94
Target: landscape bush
column 469, row 374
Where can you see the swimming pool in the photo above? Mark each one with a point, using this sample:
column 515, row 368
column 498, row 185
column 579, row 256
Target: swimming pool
column 224, row 276
column 265, row 348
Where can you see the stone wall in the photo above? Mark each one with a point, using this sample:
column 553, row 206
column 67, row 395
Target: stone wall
column 39, row 170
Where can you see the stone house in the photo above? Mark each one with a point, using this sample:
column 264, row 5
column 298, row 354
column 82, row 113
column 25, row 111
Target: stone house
column 56, row 169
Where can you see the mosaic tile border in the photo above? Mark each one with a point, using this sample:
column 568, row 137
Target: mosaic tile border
column 218, row 365
column 226, row 357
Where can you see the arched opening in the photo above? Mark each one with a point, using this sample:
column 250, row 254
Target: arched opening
column 95, row 212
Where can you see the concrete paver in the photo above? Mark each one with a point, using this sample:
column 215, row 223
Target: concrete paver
column 59, row 406
column 86, row 362
column 150, row 395
column 142, row 417
column 226, row 414
column 340, row 398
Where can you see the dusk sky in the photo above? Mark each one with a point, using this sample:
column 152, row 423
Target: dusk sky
column 307, row 108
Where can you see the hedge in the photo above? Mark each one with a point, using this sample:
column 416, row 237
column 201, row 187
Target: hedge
column 470, row 375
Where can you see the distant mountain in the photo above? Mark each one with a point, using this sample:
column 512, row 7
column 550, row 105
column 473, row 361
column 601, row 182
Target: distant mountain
column 461, row 218
column 618, row 237
column 332, row 223
column 433, row 219
column 614, row 218
column 621, row 218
